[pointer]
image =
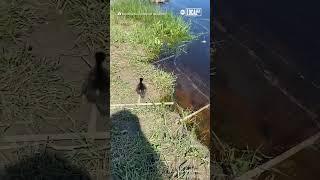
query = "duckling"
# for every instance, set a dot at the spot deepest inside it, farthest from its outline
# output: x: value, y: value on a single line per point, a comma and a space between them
x: 95, y: 87
x: 141, y: 89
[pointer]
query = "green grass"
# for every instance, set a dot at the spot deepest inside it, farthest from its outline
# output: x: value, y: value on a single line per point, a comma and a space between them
x: 16, y: 20
x: 132, y: 58
x: 36, y: 161
x: 32, y: 89
x: 155, y: 32
x: 89, y: 19
x: 132, y: 157
x: 235, y: 161
x: 163, y: 150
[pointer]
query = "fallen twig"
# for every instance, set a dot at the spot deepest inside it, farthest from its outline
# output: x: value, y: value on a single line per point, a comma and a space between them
x: 268, y: 165
x: 219, y: 141
x: 142, y: 104
x: 194, y: 113
x: 16, y: 123
x: 93, y: 120
x: 86, y: 61
x: 44, y: 137
x: 52, y: 146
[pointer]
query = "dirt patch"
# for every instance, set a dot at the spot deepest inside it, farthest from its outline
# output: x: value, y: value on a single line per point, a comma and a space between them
x: 129, y: 74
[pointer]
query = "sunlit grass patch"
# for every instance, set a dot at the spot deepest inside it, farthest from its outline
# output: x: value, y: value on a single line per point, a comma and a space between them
x: 163, y: 82
x: 155, y: 32
x: 136, y: 41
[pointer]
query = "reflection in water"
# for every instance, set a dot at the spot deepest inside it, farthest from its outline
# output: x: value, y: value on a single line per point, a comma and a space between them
x: 266, y: 84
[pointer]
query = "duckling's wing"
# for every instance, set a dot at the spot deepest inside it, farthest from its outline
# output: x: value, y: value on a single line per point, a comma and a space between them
x: 87, y: 82
x: 138, y: 90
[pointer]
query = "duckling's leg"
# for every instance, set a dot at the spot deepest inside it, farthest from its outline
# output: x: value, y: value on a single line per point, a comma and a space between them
x: 84, y: 90
x: 139, y: 99
x: 84, y: 99
x: 92, y: 121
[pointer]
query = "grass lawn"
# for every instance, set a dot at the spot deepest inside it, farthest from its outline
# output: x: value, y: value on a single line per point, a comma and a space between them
x: 37, y: 95
x: 147, y: 143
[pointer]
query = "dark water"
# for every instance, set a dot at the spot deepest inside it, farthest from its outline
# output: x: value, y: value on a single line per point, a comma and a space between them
x: 294, y: 24
x: 192, y: 67
x: 266, y: 88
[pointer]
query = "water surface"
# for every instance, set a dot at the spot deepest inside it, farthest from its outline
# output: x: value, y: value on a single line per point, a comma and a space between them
x: 192, y: 67
x: 267, y: 82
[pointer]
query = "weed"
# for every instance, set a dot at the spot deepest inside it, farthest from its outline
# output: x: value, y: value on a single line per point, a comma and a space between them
x: 155, y: 32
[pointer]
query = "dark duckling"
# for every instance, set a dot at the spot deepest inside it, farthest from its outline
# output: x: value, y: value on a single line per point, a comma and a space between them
x: 141, y: 89
x: 95, y: 87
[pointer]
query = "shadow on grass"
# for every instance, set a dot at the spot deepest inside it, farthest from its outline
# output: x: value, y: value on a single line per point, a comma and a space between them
x: 48, y: 166
x: 133, y: 157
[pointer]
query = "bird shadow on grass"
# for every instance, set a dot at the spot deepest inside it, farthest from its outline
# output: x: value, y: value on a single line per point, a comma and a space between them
x: 132, y: 156
x: 44, y: 166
